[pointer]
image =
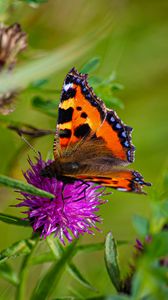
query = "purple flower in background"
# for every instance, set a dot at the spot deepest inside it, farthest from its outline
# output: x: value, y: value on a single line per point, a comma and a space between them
x: 73, y: 210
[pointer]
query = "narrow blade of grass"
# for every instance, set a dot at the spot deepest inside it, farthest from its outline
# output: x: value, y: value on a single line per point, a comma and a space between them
x: 22, y: 247
x: 76, y: 274
x: 7, y: 273
x: 24, y: 187
x: 13, y: 220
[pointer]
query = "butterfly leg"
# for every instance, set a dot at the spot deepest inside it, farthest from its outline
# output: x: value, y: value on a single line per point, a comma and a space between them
x: 83, y: 191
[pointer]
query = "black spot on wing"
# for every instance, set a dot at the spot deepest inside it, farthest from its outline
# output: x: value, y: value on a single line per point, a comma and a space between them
x: 79, y: 108
x: 65, y: 133
x: 84, y: 115
x: 70, y: 93
x: 82, y: 130
x: 65, y: 115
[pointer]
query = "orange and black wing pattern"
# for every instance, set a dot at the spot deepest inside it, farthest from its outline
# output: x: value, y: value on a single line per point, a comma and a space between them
x: 83, y: 115
x: 121, y: 180
x: 117, y: 137
x: 80, y: 113
x: 93, y: 138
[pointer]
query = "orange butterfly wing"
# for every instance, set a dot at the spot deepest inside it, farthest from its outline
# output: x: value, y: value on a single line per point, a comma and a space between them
x: 83, y: 122
x: 80, y: 113
x: 117, y: 137
x: 122, y: 180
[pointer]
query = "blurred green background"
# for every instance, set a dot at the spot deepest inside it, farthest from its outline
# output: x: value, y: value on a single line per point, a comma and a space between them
x: 135, y: 48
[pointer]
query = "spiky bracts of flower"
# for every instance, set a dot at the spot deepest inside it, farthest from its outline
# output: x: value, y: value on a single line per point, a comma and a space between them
x: 12, y: 41
x: 73, y: 210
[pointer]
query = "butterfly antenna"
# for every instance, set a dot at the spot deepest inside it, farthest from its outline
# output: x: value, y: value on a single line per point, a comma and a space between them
x: 26, y: 141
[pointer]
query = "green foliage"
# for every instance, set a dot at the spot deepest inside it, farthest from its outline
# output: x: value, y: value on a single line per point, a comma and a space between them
x: 49, y: 281
x: 106, y: 89
x: 13, y: 220
x: 148, y: 277
x: 111, y: 259
x: 48, y: 107
x: 91, y: 65
x: 7, y: 273
x: 35, y: 1
x: 24, y: 187
x: 22, y: 247
x: 141, y: 225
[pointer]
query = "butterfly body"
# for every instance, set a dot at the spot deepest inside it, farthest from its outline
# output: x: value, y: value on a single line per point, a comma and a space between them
x: 91, y: 142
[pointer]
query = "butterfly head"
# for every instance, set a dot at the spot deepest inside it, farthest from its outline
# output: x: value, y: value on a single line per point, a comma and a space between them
x: 50, y: 171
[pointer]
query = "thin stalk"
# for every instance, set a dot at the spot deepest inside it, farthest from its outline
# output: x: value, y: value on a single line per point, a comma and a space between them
x: 20, y: 293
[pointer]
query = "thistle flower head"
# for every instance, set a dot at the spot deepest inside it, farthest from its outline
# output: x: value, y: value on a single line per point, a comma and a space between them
x: 72, y: 211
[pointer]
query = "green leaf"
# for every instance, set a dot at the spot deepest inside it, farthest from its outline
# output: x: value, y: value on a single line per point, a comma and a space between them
x: 22, y: 247
x: 24, y: 187
x: 91, y: 65
x: 74, y: 271
x: 114, y: 101
x: 116, y: 87
x: 13, y: 220
x: 141, y: 224
x: 111, y: 260
x: 49, y: 281
x: 47, y: 107
x: 7, y: 273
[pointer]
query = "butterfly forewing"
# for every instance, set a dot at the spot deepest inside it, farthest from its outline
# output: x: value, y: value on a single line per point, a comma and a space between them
x: 80, y: 112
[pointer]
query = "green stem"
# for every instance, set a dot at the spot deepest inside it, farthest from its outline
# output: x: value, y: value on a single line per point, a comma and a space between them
x: 20, y: 293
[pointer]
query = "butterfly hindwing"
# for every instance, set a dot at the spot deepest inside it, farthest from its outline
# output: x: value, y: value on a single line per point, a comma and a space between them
x: 117, y: 137
x: 122, y: 180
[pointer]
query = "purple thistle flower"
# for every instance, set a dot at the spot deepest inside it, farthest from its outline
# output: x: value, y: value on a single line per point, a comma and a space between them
x: 73, y: 210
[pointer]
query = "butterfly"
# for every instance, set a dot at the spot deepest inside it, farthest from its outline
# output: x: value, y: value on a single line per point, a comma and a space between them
x: 91, y: 143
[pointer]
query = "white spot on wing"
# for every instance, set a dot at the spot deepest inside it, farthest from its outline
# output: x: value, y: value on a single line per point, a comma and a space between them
x: 68, y: 86
x: 122, y: 189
